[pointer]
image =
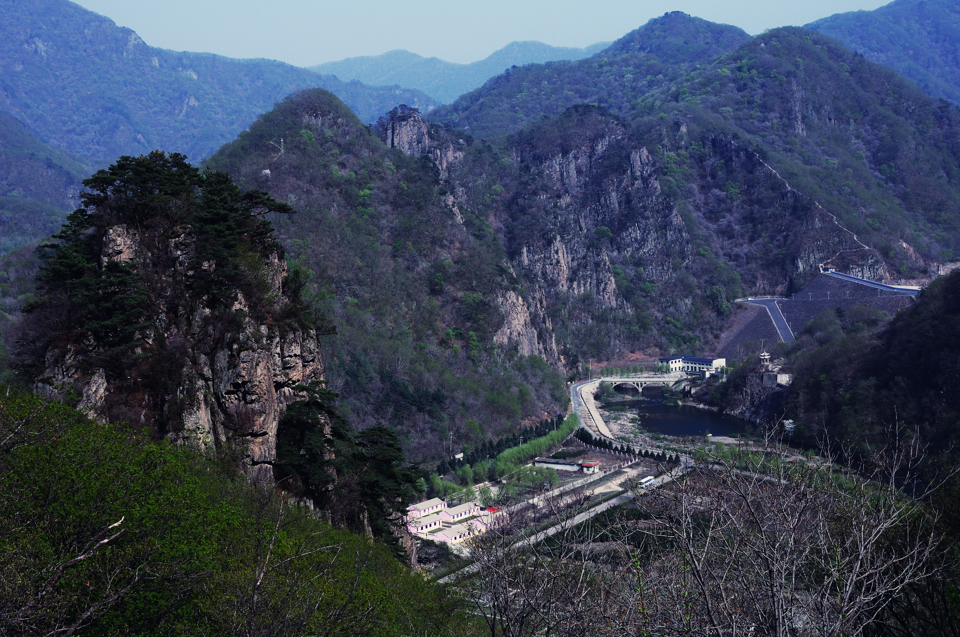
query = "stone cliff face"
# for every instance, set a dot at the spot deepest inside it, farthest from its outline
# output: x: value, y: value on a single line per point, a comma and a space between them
x: 605, y: 230
x: 406, y: 131
x: 227, y: 377
x: 592, y: 207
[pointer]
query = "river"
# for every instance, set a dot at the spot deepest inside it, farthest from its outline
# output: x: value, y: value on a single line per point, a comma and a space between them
x: 682, y: 420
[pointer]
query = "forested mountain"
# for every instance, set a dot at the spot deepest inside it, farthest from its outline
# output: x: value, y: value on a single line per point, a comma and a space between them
x: 446, y: 81
x: 87, y: 86
x: 323, y: 297
x: 595, y: 233
x: 853, y: 383
x: 618, y: 77
x: 864, y: 143
x: 39, y: 184
x: 414, y: 286
x: 720, y: 166
x: 917, y: 38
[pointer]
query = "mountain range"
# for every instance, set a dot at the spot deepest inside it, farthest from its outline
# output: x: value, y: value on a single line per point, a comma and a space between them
x: 87, y: 86
x: 348, y: 284
x: 446, y: 81
x: 916, y: 38
x: 711, y: 166
x: 577, y: 210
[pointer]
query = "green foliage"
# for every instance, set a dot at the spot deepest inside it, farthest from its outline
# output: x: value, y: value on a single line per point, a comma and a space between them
x: 187, y: 239
x: 106, y: 531
x: 312, y: 442
x: 415, y: 319
x: 853, y: 382
x: 913, y: 38
x: 527, y: 478
x: 359, y: 478
x: 512, y: 459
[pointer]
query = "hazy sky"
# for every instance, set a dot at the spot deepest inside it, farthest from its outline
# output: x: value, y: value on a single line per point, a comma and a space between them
x: 306, y: 32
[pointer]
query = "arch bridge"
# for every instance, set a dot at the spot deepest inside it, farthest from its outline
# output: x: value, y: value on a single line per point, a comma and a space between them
x: 639, y: 382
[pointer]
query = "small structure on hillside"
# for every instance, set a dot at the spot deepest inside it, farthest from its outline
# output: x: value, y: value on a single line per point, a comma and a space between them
x: 771, y: 380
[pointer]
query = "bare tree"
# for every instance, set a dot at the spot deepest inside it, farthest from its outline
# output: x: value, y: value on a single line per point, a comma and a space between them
x: 284, y: 586
x: 767, y: 544
x: 542, y: 571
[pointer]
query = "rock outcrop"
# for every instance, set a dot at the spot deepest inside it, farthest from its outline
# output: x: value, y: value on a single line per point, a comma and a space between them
x: 760, y: 397
x: 170, y: 311
x: 231, y: 387
x: 404, y: 130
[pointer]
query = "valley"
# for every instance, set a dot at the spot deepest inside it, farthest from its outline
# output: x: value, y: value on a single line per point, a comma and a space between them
x: 671, y: 320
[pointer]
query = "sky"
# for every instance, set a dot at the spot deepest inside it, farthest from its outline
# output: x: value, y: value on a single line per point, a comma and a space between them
x: 307, y: 32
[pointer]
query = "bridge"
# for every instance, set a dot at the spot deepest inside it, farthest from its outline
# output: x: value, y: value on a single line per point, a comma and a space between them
x: 585, y: 407
x: 639, y: 382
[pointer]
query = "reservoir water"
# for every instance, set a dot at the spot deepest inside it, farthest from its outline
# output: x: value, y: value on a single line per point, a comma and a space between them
x: 681, y: 420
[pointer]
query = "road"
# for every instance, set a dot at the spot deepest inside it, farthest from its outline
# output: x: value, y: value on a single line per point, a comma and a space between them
x: 620, y: 500
x: 581, y: 398
x: 581, y: 394
x: 770, y: 303
x: 685, y: 464
x: 873, y: 284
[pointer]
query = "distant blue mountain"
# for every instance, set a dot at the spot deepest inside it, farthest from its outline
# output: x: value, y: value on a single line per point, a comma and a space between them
x: 85, y: 85
x: 920, y: 39
x: 446, y: 81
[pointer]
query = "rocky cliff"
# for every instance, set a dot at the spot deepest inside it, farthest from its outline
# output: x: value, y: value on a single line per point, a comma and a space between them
x: 625, y: 240
x: 201, y: 346
x: 230, y: 390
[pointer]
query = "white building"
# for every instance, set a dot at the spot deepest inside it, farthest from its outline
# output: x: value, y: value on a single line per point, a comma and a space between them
x: 462, y: 512
x: 427, y: 507
x: 458, y: 532
x: 557, y: 465
x: 567, y: 465
x: 422, y: 526
x: 694, y: 364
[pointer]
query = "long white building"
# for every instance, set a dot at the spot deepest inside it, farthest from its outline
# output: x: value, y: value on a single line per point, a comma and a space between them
x: 694, y: 364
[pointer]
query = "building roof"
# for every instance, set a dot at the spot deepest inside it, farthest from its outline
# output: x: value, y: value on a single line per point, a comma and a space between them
x: 590, y: 464
x: 426, y: 504
x: 556, y: 461
x: 689, y: 359
x: 463, y: 508
x: 426, y: 520
x: 456, y: 529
